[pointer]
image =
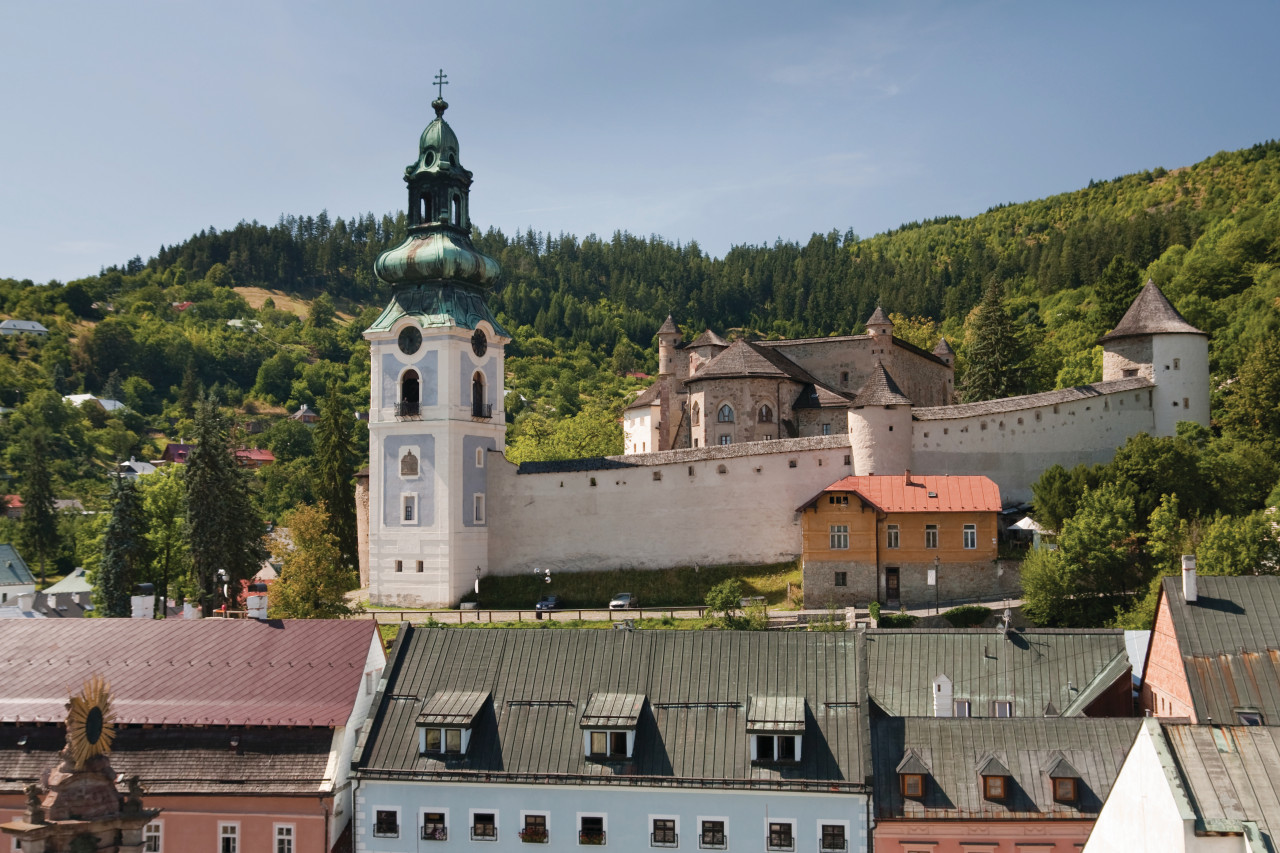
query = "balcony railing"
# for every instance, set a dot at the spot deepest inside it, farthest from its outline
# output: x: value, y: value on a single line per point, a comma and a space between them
x: 713, y: 841
x: 408, y: 409
x: 482, y: 410
x: 484, y: 832
x: 782, y: 845
x: 591, y: 836
x: 834, y: 845
x: 435, y: 833
x: 534, y: 835
x: 663, y: 839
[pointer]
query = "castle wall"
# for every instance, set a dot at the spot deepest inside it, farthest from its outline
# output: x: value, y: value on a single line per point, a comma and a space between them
x: 711, y: 506
x: 745, y: 397
x: 1014, y: 447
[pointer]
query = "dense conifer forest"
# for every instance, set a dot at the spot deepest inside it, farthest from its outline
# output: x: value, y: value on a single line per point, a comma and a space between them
x: 154, y: 333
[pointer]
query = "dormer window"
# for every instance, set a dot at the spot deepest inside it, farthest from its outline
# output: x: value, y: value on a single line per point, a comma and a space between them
x: 776, y: 727
x: 447, y: 720
x: 1066, y: 781
x: 609, y: 725
x: 995, y: 779
x: 911, y: 773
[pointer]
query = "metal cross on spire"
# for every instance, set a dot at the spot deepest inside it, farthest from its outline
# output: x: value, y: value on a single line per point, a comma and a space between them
x: 441, y: 80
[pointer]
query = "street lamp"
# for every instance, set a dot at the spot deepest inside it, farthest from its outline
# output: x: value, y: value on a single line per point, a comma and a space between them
x: 937, y: 583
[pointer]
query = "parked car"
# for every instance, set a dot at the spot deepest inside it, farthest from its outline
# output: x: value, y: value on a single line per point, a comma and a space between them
x: 624, y: 601
x: 548, y: 602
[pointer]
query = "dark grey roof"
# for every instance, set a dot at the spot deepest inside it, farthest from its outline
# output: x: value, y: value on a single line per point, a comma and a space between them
x: 1060, y: 768
x: 879, y: 318
x: 775, y: 714
x: 648, y: 396
x: 956, y: 750
x: 453, y: 708
x: 613, y: 710
x: 911, y: 764
x: 1030, y: 668
x: 1229, y: 639
x: 692, y: 730
x: 880, y: 390
x: 708, y: 339
x: 1030, y: 401
x: 1150, y: 314
x: 820, y: 397
x: 943, y: 347
x: 669, y: 327
x: 13, y: 569
x: 186, y: 760
x: 568, y: 466
x: 1232, y: 774
x: 993, y: 767
x: 745, y: 360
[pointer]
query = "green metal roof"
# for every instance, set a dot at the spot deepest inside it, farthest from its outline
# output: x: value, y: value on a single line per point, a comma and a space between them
x: 1032, y: 669
x: 1232, y: 775
x: 439, y: 304
x: 13, y: 569
x: 691, y: 729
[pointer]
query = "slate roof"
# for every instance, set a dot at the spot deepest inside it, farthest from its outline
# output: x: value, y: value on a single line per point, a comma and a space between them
x: 898, y: 493
x: 453, y: 707
x: 185, y: 760
x: 1232, y: 774
x: 187, y: 672
x: 1031, y: 668
x: 612, y: 710
x: 820, y: 397
x: 1150, y: 314
x: 879, y: 318
x: 1030, y: 401
x: 943, y: 347
x: 699, y: 689
x: 954, y: 752
x: 668, y: 327
x: 13, y: 569
x: 1229, y: 639
x: 880, y: 390
x: 708, y: 339
x: 744, y: 360
x: 647, y: 397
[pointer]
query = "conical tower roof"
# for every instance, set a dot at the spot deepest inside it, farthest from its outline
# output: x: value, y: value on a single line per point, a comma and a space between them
x: 880, y: 390
x: 943, y: 347
x: 879, y: 318
x: 669, y: 327
x: 709, y: 339
x: 1151, y: 314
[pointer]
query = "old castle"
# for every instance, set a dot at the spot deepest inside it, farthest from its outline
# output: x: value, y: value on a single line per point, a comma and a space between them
x: 722, y: 449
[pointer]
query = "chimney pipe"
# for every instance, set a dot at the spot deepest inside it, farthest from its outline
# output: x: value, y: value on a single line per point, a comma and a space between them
x: 142, y: 603
x: 256, y: 601
x: 1189, y: 577
x: 907, y: 476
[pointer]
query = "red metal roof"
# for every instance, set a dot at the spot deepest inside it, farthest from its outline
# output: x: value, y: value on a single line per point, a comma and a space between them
x: 255, y: 454
x: 291, y: 672
x: 920, y: 494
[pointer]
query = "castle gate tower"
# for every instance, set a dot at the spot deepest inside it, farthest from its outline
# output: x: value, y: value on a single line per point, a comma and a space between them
x: 436, y: 402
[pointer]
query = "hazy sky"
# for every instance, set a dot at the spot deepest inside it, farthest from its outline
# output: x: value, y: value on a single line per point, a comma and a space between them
x: 125, y: 126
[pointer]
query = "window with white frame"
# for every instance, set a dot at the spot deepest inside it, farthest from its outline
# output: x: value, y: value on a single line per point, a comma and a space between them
x: 777, y: 749
x: 284, y: 838
x: 839, y: 537
x: 228, y: 838
x: 1002, y: 708
x: 781, y: 835
x: 591, y: 830
x: 931, y: 536
x: 533, y: 828
x: 663, y: 832
x: 892, y: 536
x: 477, y: 507
x: 970, y: 536
x: 450, y: 741
x: 713, y: 833
x: 484, y: 826
x: 479, y: 457
x: 609, y: 743
x: 435, y: 825
x: 833, y: 836
x: 962, y: 708
x: 386, y: 823
x: 152, y: 837
x: 409, y: 508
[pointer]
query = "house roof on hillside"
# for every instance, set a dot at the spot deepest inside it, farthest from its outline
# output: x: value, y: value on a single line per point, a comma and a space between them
x: 14, y: 326
x: 956, y: 751
x: 647, y: 397
x: 1150, y: 314
x: 1030, y: 401
x: 1232, y: 775
x: 689, y: 726
x: 13, y: 569
x: 880, y: 390
x: 185, y: 760
x: 188, y: 672
x: 915, y: 493
x: 1229, y: 639
x: 77, y: 581
x: 177, y: 453
x: 1030, y: 668
x: 254, y: 454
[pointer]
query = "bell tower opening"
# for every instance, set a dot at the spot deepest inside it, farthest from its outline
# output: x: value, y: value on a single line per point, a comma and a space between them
x: 409, y: 395
x: 479, y: 409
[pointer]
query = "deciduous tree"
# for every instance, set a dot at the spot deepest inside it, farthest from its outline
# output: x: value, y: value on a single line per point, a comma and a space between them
x: 124, y: 551
x: 335, y: 455
x: 313, y: 582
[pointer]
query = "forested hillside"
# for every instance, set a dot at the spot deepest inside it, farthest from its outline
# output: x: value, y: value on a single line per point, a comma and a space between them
x: 584, y: 312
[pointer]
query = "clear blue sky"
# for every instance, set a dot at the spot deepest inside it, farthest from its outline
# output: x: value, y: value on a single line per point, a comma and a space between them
x: 130, y: 125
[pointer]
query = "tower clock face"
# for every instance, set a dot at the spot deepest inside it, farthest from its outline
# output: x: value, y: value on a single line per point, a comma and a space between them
x: 410, y: 340
x: 479, y: 343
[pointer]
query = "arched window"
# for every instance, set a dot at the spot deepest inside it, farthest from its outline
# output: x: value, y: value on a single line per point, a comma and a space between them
x: 479, y: 409
x: 456, y: 211
x: 696, y: 418
x: 766, y: 415
x: 409, y: 389
x: 408, y: 464
x: 427, y: 212
x: 725, y: 415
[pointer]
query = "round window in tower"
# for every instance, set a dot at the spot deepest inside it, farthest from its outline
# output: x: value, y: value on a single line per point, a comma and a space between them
x: 410, y: 339
x: 479, y: 343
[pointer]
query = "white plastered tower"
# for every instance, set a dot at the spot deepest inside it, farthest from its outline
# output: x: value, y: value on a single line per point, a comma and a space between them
x: 436, y: 398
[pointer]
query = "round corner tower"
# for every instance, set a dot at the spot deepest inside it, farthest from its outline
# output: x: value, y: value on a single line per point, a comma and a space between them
x: 880, y: 426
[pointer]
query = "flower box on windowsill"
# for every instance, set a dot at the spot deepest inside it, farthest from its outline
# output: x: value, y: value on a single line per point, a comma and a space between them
x: 534, y: 836
x: 593, y: 838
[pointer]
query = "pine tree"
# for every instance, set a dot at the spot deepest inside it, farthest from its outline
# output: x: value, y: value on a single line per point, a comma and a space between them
x: 224, y: 529
x: 164, y: 498
x: 313, y: 583
x: 995, y: 350
x: 1115, y: 289
x: 38, y: 528
x: 335, y: 452
x: 124, y: 551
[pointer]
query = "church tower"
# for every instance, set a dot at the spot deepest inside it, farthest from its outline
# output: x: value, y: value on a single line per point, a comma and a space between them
x: 436, y: 403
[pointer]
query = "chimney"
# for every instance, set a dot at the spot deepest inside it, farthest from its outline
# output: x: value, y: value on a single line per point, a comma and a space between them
x: 256, y: 601
x: 942, y: 706
x: 26, y: 601
x: 192, y: 611
x: 1189, y: 577
x: 907, y: 475
x: 143, y: 601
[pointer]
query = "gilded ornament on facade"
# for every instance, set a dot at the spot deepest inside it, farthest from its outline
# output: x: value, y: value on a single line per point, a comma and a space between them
x: 91, y: 721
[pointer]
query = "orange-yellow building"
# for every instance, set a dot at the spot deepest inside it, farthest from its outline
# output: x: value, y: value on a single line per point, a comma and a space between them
x: 901, y: 540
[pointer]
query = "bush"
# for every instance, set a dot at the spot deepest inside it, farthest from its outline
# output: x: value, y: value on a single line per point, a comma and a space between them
x: 967, y: 615
x: 898, y: 620
x: 874, y: 609
x: 725, y: 597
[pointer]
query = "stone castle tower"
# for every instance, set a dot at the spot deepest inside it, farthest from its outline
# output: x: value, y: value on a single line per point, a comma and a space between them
x: 436, y: 406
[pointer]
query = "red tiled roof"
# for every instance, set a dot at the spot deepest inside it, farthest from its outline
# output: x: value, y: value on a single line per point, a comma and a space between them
x: 255, y: 454
x: 292, y: 672
x: 12, y: 500
x: 921, y: 494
